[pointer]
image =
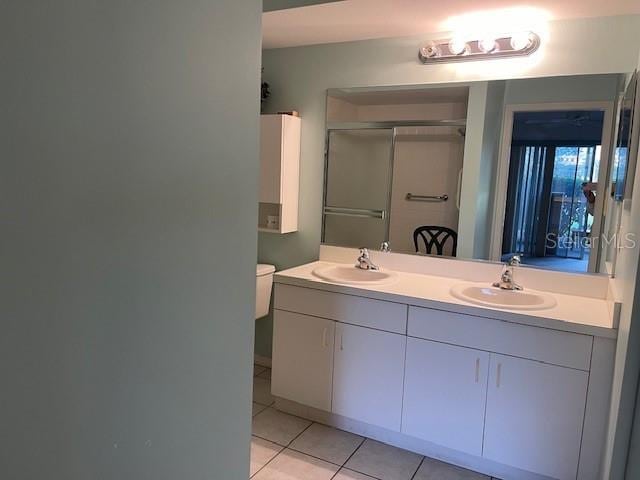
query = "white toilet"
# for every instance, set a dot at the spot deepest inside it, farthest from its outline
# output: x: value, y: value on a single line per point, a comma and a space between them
x: 264, y: 282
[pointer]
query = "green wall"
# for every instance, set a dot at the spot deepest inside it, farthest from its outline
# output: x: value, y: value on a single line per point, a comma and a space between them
x: 128, y: 202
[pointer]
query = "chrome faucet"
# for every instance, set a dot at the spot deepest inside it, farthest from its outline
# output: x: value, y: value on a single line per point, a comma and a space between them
x: 385, y: 247
x: 506, y: 279
x: 364, y: 262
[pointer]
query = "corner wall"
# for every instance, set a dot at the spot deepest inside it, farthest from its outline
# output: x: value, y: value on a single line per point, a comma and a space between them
x: 619, y: 457
x: 128, y: 202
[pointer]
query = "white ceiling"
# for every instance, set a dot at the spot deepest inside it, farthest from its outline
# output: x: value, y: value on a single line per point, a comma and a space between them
x: 351, y: 20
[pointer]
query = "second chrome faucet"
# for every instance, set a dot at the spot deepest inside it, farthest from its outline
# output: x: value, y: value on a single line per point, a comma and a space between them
x: 364, y: 261
x: 506, y: 278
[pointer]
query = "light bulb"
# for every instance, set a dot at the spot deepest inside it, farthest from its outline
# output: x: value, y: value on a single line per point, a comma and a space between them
x: 430, y: 51
x: 520, y: 41
x: 457, y: 46
x: 487, y: 44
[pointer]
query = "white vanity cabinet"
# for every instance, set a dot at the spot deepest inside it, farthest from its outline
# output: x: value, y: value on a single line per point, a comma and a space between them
x: 303, y: 359
x: 444, y: 394
x: 510, y: 400
x: 367, y: 375
x: 535, y: 414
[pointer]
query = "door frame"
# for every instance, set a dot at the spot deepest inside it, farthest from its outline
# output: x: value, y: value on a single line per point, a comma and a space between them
x: 504, y: 158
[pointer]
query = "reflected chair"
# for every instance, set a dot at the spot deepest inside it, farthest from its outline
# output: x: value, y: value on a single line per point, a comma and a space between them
x: 434, y: 236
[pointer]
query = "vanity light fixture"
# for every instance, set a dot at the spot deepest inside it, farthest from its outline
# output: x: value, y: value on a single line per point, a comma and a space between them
x: 457, y: 46
x: 501, y: 46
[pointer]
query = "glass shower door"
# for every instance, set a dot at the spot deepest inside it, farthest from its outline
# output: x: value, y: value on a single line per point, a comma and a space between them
x: 357, y: 188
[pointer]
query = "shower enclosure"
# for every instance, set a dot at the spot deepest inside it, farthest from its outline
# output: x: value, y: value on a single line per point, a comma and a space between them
x: 384, y: 179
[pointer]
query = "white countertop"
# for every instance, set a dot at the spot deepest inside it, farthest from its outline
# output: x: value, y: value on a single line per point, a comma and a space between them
x: 572, y: 313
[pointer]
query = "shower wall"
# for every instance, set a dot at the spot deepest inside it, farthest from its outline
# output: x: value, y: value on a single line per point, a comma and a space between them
x: 427, y: 161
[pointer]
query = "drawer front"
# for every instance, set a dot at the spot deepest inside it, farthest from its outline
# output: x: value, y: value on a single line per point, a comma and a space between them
x: 551, y: 346
x: 366, y: 312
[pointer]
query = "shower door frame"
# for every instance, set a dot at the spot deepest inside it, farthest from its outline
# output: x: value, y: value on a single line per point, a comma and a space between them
x: 378, y: 125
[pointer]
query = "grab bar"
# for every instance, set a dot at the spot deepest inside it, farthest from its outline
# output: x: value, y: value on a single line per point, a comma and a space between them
x: 426, y: 198
x: 355, y: 212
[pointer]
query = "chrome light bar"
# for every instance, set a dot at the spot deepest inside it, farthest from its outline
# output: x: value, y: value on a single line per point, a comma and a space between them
x: 459, y: 50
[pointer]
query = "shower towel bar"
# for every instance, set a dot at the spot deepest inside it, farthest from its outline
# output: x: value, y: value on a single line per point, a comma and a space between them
x: 427, y: 198
x: 355, y: 212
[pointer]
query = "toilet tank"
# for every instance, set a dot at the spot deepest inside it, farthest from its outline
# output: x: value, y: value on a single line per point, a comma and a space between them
x: 264, y: 283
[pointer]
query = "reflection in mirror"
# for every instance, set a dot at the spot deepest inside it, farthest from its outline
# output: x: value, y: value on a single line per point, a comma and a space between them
x: 482, y: 170
x: 554, y: 168
x: 620, y: 182
x: 622, y: 166
x: 393, y: 166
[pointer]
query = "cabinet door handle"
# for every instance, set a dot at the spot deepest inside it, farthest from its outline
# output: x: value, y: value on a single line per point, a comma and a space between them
x: 498, y: 375
x: 341, y: 341
x: 324, y: 338
x: 477, y: 370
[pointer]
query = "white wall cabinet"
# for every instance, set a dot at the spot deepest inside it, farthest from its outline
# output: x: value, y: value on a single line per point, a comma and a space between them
x: 444, y: 394
x: 534, y: 417
x: 367, y: 377
x: 279, y: 172
x: 303, y: 359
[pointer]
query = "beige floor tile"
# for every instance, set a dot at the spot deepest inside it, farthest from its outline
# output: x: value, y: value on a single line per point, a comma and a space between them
x: 261, y: 452
x: 290, y: 465
x: 384, y: 461
x: 278, y: 427
x: 257, y: 408
x: 327, y: 443
x: 346, y: 474
x: 435, y: 470
x: 262, y: 391
x: 258, y: 369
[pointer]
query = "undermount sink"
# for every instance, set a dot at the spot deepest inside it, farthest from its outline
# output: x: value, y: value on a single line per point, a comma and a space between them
x: 509, y: 299
x: 351, y: 275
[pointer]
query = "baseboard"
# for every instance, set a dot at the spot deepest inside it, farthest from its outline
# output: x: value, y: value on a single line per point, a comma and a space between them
x: 262, y: 361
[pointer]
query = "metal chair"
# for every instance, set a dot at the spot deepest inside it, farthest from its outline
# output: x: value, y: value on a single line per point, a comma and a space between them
x: 435, y: 236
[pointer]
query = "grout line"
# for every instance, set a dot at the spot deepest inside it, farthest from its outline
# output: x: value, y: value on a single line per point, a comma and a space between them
x: 364, y: 439
x: 417, y: 469
x: 313, y: 456
x: 271, y: 459
x: 304, y: 430
x: 354, y: 452
x: 281, y: 450
x: 349, y: 457
x: 267, y: 440
x: 355, y: 471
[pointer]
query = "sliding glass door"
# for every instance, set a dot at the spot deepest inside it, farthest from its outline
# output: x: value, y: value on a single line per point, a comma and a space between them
x: 550, y: 202
x: 357, y: 187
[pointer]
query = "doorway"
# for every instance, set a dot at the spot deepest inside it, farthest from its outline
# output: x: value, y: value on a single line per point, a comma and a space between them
x: 553, y: 178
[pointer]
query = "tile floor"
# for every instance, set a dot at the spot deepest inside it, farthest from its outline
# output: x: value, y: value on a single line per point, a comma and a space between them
x: 285, y: 447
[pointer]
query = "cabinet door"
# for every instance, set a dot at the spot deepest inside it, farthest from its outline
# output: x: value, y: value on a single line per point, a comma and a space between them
x: 302, y: 359
x: 445, y: 391
x: 534, y: 416
x: 270, y: 158
x: 368, y: 374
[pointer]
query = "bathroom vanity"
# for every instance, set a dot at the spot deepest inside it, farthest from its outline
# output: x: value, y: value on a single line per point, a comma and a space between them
x: 513, y: 392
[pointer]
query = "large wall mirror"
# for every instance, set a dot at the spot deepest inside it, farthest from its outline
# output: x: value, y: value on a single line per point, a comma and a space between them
x: 480, y: 170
